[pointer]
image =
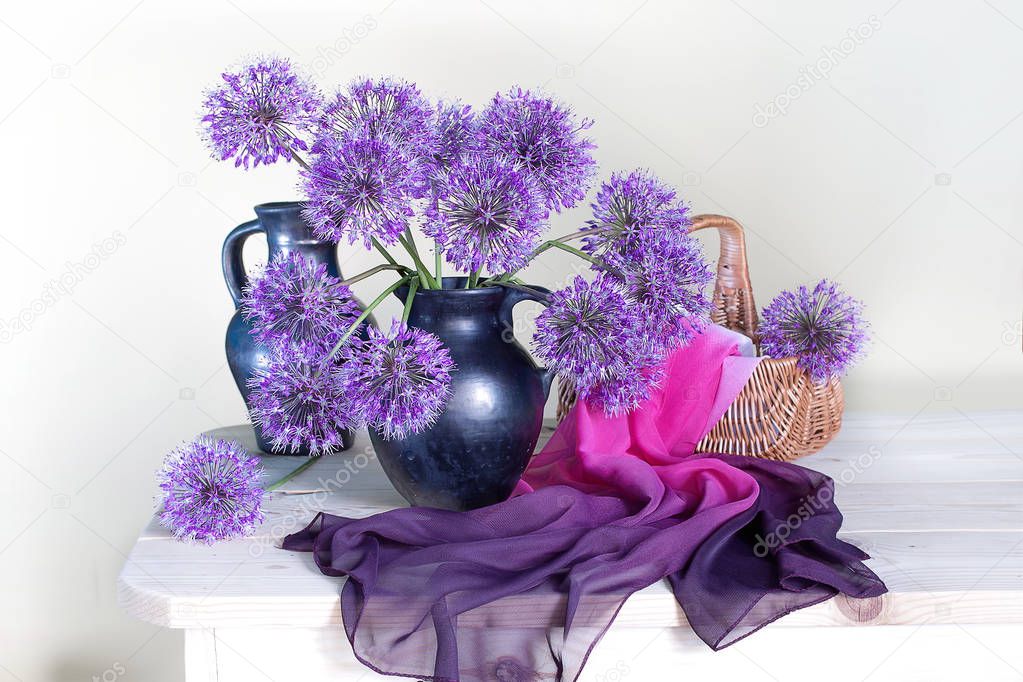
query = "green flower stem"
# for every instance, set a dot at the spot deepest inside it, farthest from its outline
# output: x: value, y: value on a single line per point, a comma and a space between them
x: 575, y: 235
x: 372, y: 271
x: 369, y: 309
x: 414, y: 252
x: 437, y: 265
x: 546, y: 246
x: 424, y: 274
x: 412, y: 288
x: 520, y: 287
x: 474, y: 278
x: 287, y: 477
x: 383, y: 252
x: 555, y: 244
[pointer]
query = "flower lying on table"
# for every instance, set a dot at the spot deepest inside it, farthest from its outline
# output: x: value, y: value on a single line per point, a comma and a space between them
x: 378, y: 160
x: 211, y: 491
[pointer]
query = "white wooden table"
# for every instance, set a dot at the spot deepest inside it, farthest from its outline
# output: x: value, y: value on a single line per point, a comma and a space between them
x: 937, y: 500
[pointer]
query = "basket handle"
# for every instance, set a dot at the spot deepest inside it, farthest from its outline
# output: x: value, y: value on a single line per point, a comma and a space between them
x: 734, y: 307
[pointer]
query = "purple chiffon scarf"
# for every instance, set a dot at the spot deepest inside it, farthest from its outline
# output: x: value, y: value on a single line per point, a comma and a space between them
x: 523, y: 590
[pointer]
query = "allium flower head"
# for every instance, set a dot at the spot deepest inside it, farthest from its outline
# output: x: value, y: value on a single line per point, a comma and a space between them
x: 592, y: 333
x: 487, y: 215
x: 454, y: 128
x: 295, y: 300
x: 823, y: 327
x: 298, y: 400
x: 543, y: 137
x: 630, y: 206
x: 211, y: 491
x: 621, y: 393
x: 361, y: 188
x: 400, y: 382
x: 666, y: 277
x: 259, y: 113
x: 388, y: 109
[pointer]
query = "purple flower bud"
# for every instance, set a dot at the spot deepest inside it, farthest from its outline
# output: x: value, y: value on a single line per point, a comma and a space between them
x: 299, y: 400
x: 388, y: 109
x: 594, y: 335
x: 487, y: 216
x: 454, y: 130
x: 400, y: 382
x: 627, y: 208
x: 665, y: 276
x: 211, y: 491
x: 295, y: 300
x: 543, y: 138
x: 824, y: 328
x: 360, y: 189
x: 260, y: 113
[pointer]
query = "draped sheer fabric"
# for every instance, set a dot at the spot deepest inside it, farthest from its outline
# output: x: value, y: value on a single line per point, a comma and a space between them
x: 523, y: 590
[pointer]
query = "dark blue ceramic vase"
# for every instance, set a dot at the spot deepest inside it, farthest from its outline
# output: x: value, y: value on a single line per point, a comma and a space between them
x: 286, y: 231
x: 480, y: 445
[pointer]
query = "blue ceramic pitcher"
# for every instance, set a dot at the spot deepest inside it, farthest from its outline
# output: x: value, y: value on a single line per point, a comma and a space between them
x: 477, y: 450
x: 286, y: 232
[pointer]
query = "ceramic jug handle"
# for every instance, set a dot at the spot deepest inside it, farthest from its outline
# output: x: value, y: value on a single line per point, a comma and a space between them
x: 231, y: 259
x: 514, y: 296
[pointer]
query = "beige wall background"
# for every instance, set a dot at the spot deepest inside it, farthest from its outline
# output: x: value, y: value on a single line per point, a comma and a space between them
x: 874, y: 142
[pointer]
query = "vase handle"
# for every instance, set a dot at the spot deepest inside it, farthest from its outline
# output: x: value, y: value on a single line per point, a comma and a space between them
x: 231, y: 259
x: 513, y: 296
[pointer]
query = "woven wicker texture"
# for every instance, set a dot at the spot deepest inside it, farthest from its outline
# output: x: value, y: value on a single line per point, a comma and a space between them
x: 780, y: 414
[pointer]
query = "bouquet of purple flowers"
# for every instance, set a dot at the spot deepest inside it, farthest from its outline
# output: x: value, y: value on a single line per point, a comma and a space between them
x: 378, y: 160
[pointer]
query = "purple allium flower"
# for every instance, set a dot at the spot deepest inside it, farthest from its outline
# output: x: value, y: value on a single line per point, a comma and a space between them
x: 259, y: 113
x: 593, y: 334
x: 361, y: 188
x: 666, y: 277
x: 295, y: 300
x: 628, y: 207
x: 621, y: 393
x: 211, y: 491
x: 298, y: 400
x: 823, y: 327
x: 454, y: 128
x: 487, y: 215
x: 383, y: 109
x: 543, y: 137
x: 400, y: 382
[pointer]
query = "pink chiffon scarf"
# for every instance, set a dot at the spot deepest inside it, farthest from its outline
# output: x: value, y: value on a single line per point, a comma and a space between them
x: 524, y: 589
x: 648, y: 449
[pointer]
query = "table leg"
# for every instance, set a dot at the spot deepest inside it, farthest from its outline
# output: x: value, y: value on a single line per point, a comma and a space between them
x: 201, y: 655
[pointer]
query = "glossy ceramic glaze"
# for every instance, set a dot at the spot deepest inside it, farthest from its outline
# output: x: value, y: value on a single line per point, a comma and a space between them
x: 477, y: 450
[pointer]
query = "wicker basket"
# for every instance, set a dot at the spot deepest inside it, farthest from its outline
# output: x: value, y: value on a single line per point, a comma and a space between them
x: 780, y: 414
